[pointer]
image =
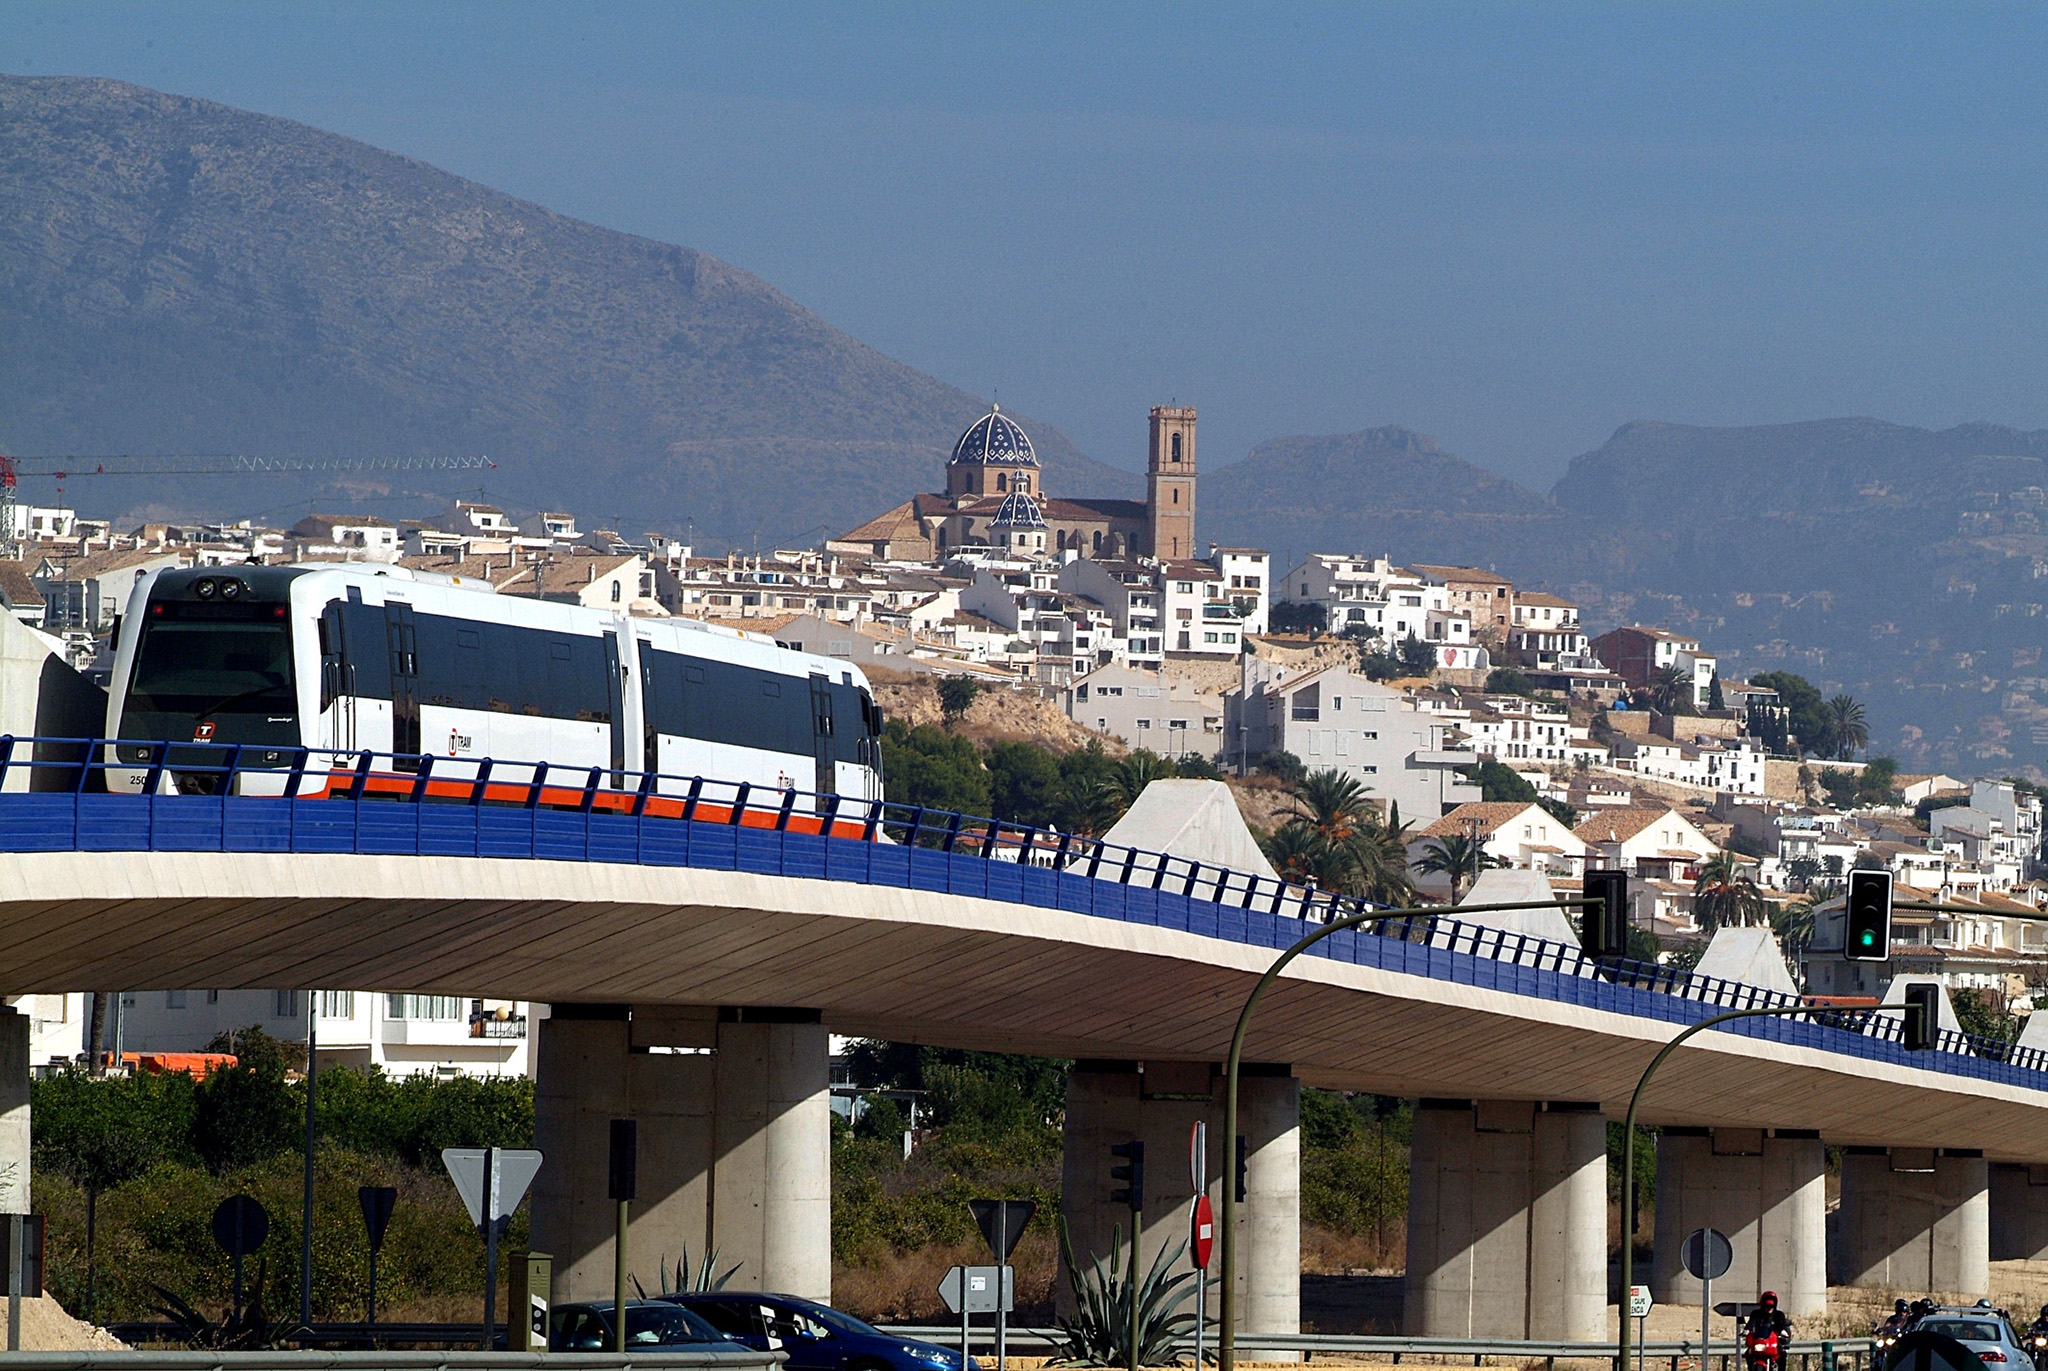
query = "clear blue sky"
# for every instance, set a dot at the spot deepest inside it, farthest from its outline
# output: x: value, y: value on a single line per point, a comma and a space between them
x: 1513, y: 227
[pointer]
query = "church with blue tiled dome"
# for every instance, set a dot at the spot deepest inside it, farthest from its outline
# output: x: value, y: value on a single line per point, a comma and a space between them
x: 994, y: 499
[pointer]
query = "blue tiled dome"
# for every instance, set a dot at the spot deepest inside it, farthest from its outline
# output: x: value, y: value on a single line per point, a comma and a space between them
x: 994, y: 440
x: 1018, y: 510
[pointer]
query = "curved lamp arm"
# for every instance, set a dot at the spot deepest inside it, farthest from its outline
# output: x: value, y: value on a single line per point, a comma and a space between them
x: 1226, y: 1336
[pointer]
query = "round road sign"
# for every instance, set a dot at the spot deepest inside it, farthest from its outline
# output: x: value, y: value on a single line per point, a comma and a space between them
x: 1201, y: 1232
x: 240, y: 1224
x: 1708, y: 1254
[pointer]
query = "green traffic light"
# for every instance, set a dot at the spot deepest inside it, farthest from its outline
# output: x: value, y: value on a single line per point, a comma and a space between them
x: 1868, y: 937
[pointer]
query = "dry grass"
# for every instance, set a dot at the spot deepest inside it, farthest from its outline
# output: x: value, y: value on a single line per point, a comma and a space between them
x: 904, y: 1288
x: 1328, y: 1253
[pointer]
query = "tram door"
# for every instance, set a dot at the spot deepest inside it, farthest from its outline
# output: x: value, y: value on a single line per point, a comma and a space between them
x: 405, y: 681
x: 617, y: 704
x: 337, y: 681
x: 821, y: 735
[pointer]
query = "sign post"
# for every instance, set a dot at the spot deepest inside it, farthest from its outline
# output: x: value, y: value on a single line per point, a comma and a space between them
x: 969, y: 1290
x: 24, y: 1270
x: 1639, y: 1310
x: 1707, y: 1254
x: 491, y: 1181
x: 377, y: 1201
x: 240, y: 1225
x: 1201, y: 1227
x: 1002, y: 1222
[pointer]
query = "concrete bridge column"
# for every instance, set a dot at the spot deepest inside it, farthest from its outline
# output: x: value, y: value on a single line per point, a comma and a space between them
x: 14, y: 1122
x: 1507, y: 1221
x: 1914, y: 1219
x: 735, y: 1144
x: 1767, y: 1192
x: 1110, y: 1102
x: 2019, y: 1213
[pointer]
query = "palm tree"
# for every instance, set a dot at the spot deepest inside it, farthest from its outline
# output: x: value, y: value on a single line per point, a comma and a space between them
x: 1724, y: 895
x: 1298, y: 851
x: 1331, y: 800
x: 1456, y: 855
x: 1670, y: 690
x: 1378, y: 859
x: 1793, y: 923
x: 1134, y: 773
x: 1851, y: 726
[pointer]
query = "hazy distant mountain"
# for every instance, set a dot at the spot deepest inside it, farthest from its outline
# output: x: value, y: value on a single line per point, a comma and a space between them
x: 1907, y: 567
x: 1383, y: 490
x: 178, y: 275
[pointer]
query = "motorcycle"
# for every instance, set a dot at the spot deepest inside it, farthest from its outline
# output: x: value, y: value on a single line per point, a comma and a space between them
x: 1763, y: 1352
x: 2037, y: 1346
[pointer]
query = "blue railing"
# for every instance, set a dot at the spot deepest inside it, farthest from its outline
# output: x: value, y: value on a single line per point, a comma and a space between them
x: 55, y: 796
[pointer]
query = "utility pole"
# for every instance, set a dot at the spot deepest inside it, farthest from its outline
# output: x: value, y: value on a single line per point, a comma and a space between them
x: 306, y: 1213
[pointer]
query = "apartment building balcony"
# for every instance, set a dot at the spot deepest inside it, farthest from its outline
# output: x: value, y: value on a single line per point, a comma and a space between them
x: 490, y: 1026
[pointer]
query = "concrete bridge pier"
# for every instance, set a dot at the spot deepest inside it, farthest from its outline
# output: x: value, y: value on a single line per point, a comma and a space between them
x: 2019, y: 1213
x: 14, y: 1121
x: 1110, y: 1102
x: 1507, y: 1221
x: 734, y: 1144
x: 1767, y: 1192
x: 1914, y: 1219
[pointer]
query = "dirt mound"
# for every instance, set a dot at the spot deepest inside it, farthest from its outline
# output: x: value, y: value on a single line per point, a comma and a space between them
x: 1000, y: 714
x: 45, y: 1327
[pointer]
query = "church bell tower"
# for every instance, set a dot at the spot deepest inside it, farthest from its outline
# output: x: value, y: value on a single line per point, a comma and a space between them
x: 1170, y: 483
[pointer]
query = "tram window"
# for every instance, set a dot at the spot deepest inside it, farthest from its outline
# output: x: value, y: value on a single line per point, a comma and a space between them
x: 499, y: 668
x: 208, y: 668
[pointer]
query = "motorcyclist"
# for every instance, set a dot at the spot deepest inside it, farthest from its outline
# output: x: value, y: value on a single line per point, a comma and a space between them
x: 2040, y: 1328
x: 1902, y: 1314
x: 1921, y: 1309
x: 1767, y: 1319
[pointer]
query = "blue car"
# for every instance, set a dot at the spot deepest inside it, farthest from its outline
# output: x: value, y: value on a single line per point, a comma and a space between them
x: 816, y: 1336
x: 651, y: 1326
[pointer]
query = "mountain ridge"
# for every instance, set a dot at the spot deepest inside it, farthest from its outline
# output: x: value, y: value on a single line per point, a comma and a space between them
x: 1907, y: 566
x: 180, y: 273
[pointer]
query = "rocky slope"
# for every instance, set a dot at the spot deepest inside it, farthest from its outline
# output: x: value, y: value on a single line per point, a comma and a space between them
x: 179, y: 275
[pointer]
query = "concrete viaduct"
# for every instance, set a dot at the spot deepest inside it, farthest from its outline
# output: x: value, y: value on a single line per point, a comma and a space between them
x: 696, y: 961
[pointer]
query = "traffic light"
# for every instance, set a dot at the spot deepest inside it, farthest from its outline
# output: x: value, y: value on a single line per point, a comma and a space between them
x: 1242, y: 1153
x: 1132, y: 1173
x: 1922, y: 1022
x: 1867, y: 918
x: 1603, y: 930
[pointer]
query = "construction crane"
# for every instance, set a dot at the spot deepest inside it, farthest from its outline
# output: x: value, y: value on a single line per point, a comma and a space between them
x: 69, y: 465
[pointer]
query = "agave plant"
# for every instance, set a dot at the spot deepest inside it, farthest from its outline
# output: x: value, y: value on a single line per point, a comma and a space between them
x: 251, y: 1330
x: 707, y: 1276
x: 1099, y: 1333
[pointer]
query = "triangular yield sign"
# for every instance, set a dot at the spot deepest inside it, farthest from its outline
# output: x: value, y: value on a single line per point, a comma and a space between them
x: 515, y: 1169
x: 1002, y: 1223
x: 466, y: 1168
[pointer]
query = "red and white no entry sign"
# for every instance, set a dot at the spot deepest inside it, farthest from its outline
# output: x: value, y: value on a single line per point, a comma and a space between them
x: 1201, y: 1232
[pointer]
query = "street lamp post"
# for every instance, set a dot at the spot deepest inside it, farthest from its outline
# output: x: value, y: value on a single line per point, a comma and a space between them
x: 1628, y: 1145
x: 1226, y: 1337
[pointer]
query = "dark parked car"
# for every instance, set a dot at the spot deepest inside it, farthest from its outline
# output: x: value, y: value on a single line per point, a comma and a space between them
x: 649, y: 1324
x: 817, y: 1337
x: 1983, y: 1330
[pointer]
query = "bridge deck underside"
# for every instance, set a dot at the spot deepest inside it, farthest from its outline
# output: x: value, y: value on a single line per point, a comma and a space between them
x: 924, y: 966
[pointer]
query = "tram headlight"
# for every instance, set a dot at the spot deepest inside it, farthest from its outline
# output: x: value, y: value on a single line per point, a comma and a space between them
x: 229, y: 589
x: 206, y: 589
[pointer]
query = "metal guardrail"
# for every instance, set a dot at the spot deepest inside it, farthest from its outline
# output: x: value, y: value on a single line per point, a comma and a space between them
x: 338, y: 1336
x: 148, y: 1360
x: 247, y: 798
x: 1841, y: 1354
